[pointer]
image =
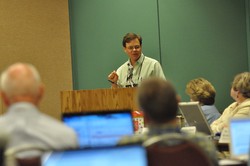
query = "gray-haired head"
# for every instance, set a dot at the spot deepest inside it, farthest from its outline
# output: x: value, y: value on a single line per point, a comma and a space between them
x: 20, y: 80
x: 241, y: 83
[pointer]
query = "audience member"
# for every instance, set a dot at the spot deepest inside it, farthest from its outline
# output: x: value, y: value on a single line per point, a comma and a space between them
x: 240, y: 92
x: 138, y: 66
x: 159, y: 102
x: 21, y: 91
x: 202, y: 90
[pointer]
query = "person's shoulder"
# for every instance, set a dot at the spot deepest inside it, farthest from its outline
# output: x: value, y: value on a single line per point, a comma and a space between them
x: 243, y: 110
x: 246, y: 103
x: 203, y: 141
x: 7, y: 119
x: 232, y: 105
x: 55, y: 128
x: 151, y: 59
x: 3, y: 118
x: 197, y: 137
x: 136, y: 139
x: 46, y: 120
x: 210, y: 109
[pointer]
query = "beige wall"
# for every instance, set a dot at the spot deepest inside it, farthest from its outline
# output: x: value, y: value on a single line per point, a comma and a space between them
x: 37, y: 32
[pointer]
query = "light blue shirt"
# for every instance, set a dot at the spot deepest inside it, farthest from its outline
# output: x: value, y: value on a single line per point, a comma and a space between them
x: 211, y: 113
x: 145, y: 67
x: 26, y: 125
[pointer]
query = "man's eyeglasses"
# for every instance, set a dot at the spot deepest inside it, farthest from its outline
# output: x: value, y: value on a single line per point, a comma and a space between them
x: 134, y: 47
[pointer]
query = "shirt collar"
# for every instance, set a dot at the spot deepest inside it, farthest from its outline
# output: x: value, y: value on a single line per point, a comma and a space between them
x: 162, y: 129
x: 21, y: 107
x: 139, y: 61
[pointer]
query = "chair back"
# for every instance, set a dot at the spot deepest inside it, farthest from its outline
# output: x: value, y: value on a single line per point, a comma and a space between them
x: 25, y: 155
x: 174, y: 150
x: 4, y: 138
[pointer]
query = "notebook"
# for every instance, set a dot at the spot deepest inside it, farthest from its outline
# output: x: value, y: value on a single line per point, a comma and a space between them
x: 102, y: 128
x: 129, y: 155
x: 239, y: 138
x: 194, y: 116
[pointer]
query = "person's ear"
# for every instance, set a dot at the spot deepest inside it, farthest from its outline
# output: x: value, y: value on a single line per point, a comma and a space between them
x: 41, y: 91
x: 5, y: 99
x: 178, y: 98
x: 238, y: 94
x: 124, y: 49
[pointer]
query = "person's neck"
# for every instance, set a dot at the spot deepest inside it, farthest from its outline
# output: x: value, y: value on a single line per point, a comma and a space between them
x: 241, y: 99
x: 27, y: 99
x: 172, y: 122
x: 133, y: 62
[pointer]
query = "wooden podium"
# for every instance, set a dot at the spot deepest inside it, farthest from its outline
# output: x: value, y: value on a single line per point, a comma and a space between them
x: 98, y: 100
x: 102, y: 100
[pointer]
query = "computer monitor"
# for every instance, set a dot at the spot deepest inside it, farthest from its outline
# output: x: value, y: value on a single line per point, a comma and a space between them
x: 239, y: 138
x: 194, y: 116
x: 128, y: 155
x: 100, y: 128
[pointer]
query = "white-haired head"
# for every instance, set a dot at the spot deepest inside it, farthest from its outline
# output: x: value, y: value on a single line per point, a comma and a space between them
x: 21, y: 80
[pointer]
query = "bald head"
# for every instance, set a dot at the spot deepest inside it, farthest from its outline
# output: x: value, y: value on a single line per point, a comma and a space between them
x: 21, y: 82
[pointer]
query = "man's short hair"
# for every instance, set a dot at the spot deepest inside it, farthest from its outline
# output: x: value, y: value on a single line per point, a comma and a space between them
x: 158, y: 100
x: 131, y: 36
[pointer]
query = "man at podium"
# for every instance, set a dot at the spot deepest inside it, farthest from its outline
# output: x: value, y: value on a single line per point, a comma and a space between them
x: 138, y: 66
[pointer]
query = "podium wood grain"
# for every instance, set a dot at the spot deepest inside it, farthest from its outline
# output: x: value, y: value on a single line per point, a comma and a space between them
x: 99, y: 99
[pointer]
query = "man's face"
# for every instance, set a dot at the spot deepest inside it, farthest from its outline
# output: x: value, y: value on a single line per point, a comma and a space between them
x: 133, y: 50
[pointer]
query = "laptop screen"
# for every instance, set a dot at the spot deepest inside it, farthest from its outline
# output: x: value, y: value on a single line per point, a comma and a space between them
x: 98, y: 129
x: 240, y: 136
x: 130, y: 155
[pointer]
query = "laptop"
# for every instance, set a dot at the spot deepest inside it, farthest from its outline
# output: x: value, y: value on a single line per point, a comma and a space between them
x: 127, y: 155
x: 194, y: 116
x: 101, y: 128
x: 239, y: 145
